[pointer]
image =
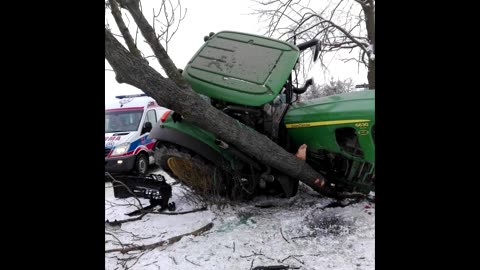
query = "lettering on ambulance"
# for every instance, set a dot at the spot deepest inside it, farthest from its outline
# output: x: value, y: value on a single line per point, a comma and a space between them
x: 110, y: 141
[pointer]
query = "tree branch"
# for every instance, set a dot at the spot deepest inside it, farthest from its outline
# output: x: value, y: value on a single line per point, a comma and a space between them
x: 333, y: 11
x: 361, y: 2
x: 180, y: 213
x: 191, y: 261
x: 119, y: 222
x: 339, y: 28
x: 149, y: 33
x: 111, y: 234
x: 169, y: 241
x: 281, y: 232
x: 124, y: 29
x: 280, y: 17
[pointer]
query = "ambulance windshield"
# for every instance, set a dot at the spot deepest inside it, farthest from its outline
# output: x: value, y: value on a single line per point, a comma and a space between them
x: 119, y: 121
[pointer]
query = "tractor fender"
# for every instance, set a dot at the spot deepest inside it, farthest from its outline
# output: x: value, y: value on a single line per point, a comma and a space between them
x: 162, y: 134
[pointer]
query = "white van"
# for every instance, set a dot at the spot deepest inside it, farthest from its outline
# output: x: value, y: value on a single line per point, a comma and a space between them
x: 127, y: 125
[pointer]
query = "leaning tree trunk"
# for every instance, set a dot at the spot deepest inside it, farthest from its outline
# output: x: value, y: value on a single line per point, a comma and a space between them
x: 132, y: 70
x: 371, y: 74
x: 369, y: 10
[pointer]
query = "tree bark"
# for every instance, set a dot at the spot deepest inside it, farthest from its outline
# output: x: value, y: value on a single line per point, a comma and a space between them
x: 132, y: 70
x: 117, y: 15
x: 371, y: 74
x: 369, y: 10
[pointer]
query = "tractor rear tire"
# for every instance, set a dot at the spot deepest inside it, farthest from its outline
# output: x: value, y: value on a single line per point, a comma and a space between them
x: 190, y: 169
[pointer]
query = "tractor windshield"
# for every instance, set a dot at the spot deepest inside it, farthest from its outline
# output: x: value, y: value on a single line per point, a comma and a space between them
x: 118, y: 121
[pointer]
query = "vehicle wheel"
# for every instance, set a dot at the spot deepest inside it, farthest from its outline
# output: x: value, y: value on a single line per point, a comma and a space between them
x: 141, y: 164
x: 191, y: 169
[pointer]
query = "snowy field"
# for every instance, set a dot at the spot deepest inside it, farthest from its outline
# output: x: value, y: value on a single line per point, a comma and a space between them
x: 302, y: 232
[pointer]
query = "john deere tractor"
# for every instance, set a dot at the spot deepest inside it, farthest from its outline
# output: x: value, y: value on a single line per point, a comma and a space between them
x: 249, y: 78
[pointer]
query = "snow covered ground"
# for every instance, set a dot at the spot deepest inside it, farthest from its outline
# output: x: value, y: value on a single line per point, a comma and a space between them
x: 245, y: 236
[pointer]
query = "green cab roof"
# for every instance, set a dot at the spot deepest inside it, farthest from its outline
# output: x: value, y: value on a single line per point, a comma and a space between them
x: 241, y: 68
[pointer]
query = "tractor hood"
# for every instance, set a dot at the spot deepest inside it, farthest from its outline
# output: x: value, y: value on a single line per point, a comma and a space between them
x: 241, y: 68
x: 351, y: 106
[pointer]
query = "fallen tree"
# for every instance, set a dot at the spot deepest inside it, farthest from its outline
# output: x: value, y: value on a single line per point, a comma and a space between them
x: 176, y: 94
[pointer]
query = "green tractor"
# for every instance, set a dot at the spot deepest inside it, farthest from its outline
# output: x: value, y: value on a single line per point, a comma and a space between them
x: 249, y: 78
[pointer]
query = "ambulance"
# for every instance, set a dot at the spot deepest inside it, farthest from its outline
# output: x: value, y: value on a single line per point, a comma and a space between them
x: 128, y: 122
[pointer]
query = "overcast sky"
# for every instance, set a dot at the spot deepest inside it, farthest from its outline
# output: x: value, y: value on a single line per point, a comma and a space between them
x: 202, y: 18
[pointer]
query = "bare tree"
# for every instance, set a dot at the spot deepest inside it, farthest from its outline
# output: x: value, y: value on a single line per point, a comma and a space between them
x: 340, y: 25
x: 333, y: 87
x: 175, y: 93
x: 166, y: 20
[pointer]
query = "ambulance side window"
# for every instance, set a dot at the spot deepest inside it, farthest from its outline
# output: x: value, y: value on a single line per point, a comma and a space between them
x: 151, y: 117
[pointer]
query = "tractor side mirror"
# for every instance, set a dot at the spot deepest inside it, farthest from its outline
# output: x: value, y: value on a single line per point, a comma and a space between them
x: 302, y: 90
x: 314, y: 42
x: 308, y: 83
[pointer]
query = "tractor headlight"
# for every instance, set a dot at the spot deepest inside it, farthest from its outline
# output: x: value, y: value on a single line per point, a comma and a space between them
x: 120, y: 149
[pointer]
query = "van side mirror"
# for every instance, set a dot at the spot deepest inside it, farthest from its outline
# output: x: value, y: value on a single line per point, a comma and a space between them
x: 147, y: 127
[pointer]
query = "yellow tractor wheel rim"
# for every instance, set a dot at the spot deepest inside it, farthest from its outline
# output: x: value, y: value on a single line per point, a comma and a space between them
x: 191, y: 175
